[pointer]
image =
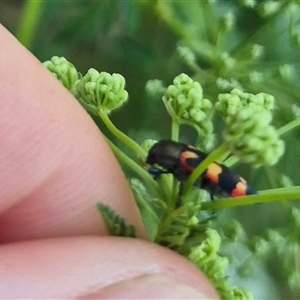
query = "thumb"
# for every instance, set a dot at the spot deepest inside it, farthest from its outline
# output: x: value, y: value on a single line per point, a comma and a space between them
x: 94, y: 267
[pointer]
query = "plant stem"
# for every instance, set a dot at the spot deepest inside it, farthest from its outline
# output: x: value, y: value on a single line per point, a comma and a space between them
x: 232, y: 160
x: 121, y: 136
x: 29, y: 21
x: 133, y: 165
x: 289, y: 126
x: 175, y: 131
x: 271, y: 195
x: 174, y: 137
x: 166, y: 221
x: 218, y: 152
x: 210, y: 19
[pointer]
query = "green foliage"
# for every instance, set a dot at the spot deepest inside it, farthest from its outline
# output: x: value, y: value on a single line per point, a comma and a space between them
x: 274, y: 253
x: 180, y: 223
x: 238, y: 55
x: 252, y: 138
x: 282, y: 247
x: 115, y: 224
x: 206, y: 257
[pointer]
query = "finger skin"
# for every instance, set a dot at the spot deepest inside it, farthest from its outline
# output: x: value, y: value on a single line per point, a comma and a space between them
x: 55, y: 164
x: 79, y: 267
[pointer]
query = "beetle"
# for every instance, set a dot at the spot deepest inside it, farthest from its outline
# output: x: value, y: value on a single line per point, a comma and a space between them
x: 181, y: 160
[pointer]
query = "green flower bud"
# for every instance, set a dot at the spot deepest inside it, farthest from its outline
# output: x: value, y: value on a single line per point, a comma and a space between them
x: 256, y: 77
x: 276, y: 238
x: 185, y: 103
x: 296, y: 218
x: 250, y: 136
x: 215, y: 266
x: 227, y: 62
x: 257, y: 51
x: 227, y: 85
x: 250, y: 54
x: 234, y: 230
x: 294, y: 279
x: 155, y: 88
x: 229, y: 104
x: 261, y: 246
x: 286, y: 181
x: 63, y: 70
x: 187, y: 55
x: 101, y: 91
x: 227, y: 22
x: 286, y: 71
x: 296, y: 110
x: 147, y: 144
x: 269, y: 8
x: 241, y: 294
x: 208, y: 248
x: 248, y: 3
x: 293, y: 7
x: 262, y: 100
x: 193, y: 221
x: 295, y: 38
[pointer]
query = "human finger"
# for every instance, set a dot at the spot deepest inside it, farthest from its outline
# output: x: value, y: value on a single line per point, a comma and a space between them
x: 55, y: 165
x: 98, y: 268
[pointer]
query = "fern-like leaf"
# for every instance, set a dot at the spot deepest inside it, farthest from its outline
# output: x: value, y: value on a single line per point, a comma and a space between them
x: 115, y: 224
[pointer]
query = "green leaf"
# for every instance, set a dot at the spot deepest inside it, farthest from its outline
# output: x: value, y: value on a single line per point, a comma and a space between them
x: 146, y: 206
x: 115, y: 224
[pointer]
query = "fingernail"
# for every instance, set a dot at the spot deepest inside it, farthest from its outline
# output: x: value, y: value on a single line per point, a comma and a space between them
x: 148, y: 287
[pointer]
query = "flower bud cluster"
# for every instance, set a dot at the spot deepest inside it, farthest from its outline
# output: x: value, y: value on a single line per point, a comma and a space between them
x: 250, y: 136
x: 103, y: 91
x: 155, y: 88
x: 206, y: 257
x: 185, y: 103
x: 187, y: 55
x: 63, y: 70
x: 229, y: 104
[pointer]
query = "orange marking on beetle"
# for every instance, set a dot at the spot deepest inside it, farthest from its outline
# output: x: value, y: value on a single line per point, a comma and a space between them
x: 240, y: 190
x: 186, y: 155
x: 212, y: 172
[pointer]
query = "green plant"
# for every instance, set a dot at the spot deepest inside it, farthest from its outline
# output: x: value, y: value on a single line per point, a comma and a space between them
x: 189, y: 228
x: 245, y: 54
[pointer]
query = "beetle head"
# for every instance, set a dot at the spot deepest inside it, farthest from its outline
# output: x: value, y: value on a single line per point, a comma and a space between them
x: 166, y: 154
